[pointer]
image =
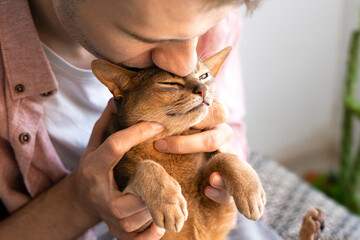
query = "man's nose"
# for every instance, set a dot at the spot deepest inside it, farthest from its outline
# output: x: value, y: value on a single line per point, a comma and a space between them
x: 179, y: 58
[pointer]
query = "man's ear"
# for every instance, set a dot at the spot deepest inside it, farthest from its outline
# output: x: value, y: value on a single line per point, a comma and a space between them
x: 214, y: 62
x: 115, y: 78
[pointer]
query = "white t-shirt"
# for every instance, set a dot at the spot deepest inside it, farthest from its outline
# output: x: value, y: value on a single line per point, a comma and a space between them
x: 70, y: 114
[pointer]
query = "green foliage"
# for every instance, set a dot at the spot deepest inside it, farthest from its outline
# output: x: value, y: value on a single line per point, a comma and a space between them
x: 344, y: 186
x: 329, y: 183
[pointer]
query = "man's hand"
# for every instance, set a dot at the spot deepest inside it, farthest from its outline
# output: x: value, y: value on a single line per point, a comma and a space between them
x: 94, y: 183
x: 215, y: 136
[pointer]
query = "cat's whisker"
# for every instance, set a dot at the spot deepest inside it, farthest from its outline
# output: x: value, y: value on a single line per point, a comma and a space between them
x: 201, y: 55
x: 205, y: 56
x: 212, y: 114
x: 152, y: 115
x: 155, y: 115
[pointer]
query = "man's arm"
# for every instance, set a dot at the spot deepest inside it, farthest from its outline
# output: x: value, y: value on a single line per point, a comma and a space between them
x: 87, y: 195
x: 56, y: 213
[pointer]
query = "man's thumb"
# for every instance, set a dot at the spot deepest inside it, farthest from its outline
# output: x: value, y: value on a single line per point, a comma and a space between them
x: 100, y: 125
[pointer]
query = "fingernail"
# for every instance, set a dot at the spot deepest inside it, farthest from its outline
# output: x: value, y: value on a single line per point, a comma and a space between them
x: 212, y: 192
x: 157, y: 126
x: 217, y: 181
x: 161, y: 145
x: 161, y: 231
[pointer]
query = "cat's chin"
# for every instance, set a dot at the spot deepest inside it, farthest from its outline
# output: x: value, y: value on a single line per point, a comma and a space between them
x: 203, y: 107
x: 185, y: 121
x: 199, y: 112
x: 197, y: 109
x: 197, y: 115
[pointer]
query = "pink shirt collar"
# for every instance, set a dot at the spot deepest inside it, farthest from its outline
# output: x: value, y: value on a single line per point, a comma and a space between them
x: 28, y: 58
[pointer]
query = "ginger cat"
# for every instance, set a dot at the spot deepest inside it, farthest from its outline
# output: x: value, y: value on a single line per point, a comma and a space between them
x: 172, y: 185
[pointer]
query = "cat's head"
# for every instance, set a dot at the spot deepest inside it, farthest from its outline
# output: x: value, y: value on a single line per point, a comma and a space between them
x: 156, y: 95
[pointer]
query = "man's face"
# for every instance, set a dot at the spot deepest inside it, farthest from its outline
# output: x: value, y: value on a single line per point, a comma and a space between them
x: 140, y: 33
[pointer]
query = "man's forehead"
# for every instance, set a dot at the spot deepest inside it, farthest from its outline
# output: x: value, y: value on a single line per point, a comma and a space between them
x: 166, y: 19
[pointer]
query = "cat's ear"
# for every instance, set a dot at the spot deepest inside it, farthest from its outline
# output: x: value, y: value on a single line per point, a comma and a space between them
x: 115, y: 78
x: 214, y: 62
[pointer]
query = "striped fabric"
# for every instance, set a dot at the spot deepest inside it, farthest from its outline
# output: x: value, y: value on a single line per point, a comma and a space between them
x: 289, y: 198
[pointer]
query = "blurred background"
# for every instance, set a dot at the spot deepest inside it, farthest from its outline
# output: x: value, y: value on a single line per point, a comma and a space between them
x: 294, y: 56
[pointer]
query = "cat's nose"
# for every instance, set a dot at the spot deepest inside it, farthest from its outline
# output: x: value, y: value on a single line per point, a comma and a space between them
x: 200, y: 89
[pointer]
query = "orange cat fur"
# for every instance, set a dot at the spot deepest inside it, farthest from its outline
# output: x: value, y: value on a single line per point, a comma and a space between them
x: 172, y: 185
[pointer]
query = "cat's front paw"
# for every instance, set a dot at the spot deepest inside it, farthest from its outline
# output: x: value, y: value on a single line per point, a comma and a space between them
x: 169, y: 209
x: 251, y: 204
x: 248, y: 194
x: 242, y: 183
x: 313, y: 224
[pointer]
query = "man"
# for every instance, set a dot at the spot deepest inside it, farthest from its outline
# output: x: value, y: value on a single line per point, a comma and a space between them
x: 41, y: 200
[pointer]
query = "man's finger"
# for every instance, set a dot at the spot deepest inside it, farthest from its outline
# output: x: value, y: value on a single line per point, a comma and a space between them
x: 126, y: 205
x: 227, y: 148
x: 218, y: 195
x: 120, y: 142
x: 217, y: 189
x: 217, y: 181
x: 218, y: 113
x: 154, y: 233
x: 207, y: 141
x: 135, y: 221
x: 101, y: 124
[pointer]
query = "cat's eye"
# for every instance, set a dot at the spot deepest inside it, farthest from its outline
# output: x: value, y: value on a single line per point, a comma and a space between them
x: 173, y: 84
x: 204, y: 76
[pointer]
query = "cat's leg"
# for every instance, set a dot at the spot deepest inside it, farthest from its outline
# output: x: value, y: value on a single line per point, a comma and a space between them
x: 242, y: 182
x: 161, y: 193
x: 312, y: 226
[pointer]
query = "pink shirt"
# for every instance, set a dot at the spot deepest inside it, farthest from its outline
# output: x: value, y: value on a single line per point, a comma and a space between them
x: 28, y: 162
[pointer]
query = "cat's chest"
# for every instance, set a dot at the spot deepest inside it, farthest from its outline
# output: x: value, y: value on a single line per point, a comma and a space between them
x: 179, y: 166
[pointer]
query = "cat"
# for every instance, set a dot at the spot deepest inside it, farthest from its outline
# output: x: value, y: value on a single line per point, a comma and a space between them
x: 172, y: 185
